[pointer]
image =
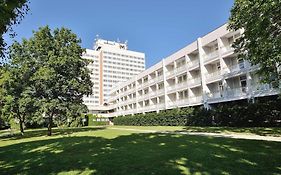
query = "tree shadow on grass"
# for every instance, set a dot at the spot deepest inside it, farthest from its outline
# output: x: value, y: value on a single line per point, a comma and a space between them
x: 149, y: 153
x: 43, y: 132
x: 262, y: 131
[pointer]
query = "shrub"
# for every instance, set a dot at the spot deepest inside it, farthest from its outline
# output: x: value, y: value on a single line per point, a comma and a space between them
x: 93, y: 120
x: 262, y: 113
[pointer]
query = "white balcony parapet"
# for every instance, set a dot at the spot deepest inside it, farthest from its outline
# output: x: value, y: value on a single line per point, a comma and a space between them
x: 181, y: 69
x: 170, y: 72
x: 193, y: 64
x: 213, y: 76
x: 183, y: 102
x: 195, y: 99
x: 194, y: 81
x: 237, y: 68
x: 236, y: 92
x: 172, y: 104
x: 211, y: 96
x: 211, y: 56
x: 160, y: 92
x: 227, y: 49
x: 159, y: 78
x: 263, y: 89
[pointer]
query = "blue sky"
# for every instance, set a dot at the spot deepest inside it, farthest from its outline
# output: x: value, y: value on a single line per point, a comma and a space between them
x: 156, y: 27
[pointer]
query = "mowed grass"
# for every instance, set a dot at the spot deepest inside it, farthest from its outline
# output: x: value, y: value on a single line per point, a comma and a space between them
x: 105, y: 150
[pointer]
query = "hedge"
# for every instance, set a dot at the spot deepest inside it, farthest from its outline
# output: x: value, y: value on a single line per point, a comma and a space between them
x: 263, y: 113
x: 92, y: 121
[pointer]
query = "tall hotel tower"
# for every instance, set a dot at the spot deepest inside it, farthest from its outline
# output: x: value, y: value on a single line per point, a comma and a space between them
x: 112, y: 63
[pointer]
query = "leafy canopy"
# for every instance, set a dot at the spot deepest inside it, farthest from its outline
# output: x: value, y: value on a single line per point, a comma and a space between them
x: 51, y: 60
x: 261, y: 42
x: 11, y: 13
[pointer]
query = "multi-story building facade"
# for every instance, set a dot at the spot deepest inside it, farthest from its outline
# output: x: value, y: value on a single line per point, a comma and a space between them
x: 205, y: 72
x: 111, y: 63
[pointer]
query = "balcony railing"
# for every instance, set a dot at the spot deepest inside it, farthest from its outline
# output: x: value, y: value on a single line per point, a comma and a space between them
x: 184, y: 101
x: 171, y: 73
x: 194, y: 81
x: 211, y: 56
x: 235, y: 92
x: 181, y: 69
x: 214, y: 95
x: 193, y: 64
x: 213, y: 76
x: 237, y: 67
x: 178, y: 86
x: 172, y: 104
x: 159, y: 78
x: 227, y: 49
x: 195, y: 99
x: 264, y: 89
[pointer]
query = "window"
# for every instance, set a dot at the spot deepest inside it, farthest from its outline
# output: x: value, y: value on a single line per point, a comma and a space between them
x: 160, y: 86
x: 218, y: 66
x: 146, y: 103
x: 145, y: 91
x: 230, y: 40
x: 243, y: 82
x: 241, y: 63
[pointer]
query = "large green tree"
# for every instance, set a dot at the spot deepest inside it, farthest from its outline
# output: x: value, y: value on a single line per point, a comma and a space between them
x: 11, y: 13
x: 60, y: 77
x: 16, y: 94
x: 261, y: 41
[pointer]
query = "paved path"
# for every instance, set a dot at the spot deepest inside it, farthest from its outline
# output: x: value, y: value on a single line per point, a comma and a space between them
x: 232, y: 135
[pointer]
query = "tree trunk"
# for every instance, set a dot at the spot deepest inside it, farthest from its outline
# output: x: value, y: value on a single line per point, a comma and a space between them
x: 50, y: 125
x: 21, y: 126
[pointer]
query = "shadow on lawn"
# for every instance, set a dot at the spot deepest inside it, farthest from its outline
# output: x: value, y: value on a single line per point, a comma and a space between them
x: 262, y: 131
x: 142, y: 154
x: 43, y: 132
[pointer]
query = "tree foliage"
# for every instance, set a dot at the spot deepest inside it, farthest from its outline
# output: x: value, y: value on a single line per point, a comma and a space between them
x: 11, y: 13
x: 261, y: 41
x: 17, y: 92
x: 56, y: 75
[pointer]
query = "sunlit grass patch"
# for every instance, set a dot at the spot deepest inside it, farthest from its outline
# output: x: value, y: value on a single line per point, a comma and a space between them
x: 107, y: 151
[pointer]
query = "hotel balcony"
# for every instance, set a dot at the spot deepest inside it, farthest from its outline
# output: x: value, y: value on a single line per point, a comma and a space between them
x: 214, y: 76
x: 209, y: 57
x: 178, y: 103
x: 151, y: 107
x: 236, y: 69
x: 193, y: 64
x: 177, y: 87
x: 158, y: 79
x: 176, y: 71
x: 264, y: 89
x: 156, y: 93
x: 143, y: 97
x: 181, y: 69
x: 195, y: 100
x: 171, y: 73
x: 172, y: 104
x: 227, y: 50
x: 236, y: 92
x: 193, y: 82
x: 151, y: 94
x: 214, y: 96
x: 129, y: 91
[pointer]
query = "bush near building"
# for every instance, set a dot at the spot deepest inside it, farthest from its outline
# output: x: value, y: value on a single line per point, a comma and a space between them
x: 265, y: 112
x: 94, y: 120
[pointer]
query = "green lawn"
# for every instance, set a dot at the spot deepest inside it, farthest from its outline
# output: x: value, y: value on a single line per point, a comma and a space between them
x: 101, y: 150
x: 261, y: 131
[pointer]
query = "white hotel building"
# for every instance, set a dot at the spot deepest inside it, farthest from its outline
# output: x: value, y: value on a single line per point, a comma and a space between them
x: 112, y: 63
x: 205, y: 72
